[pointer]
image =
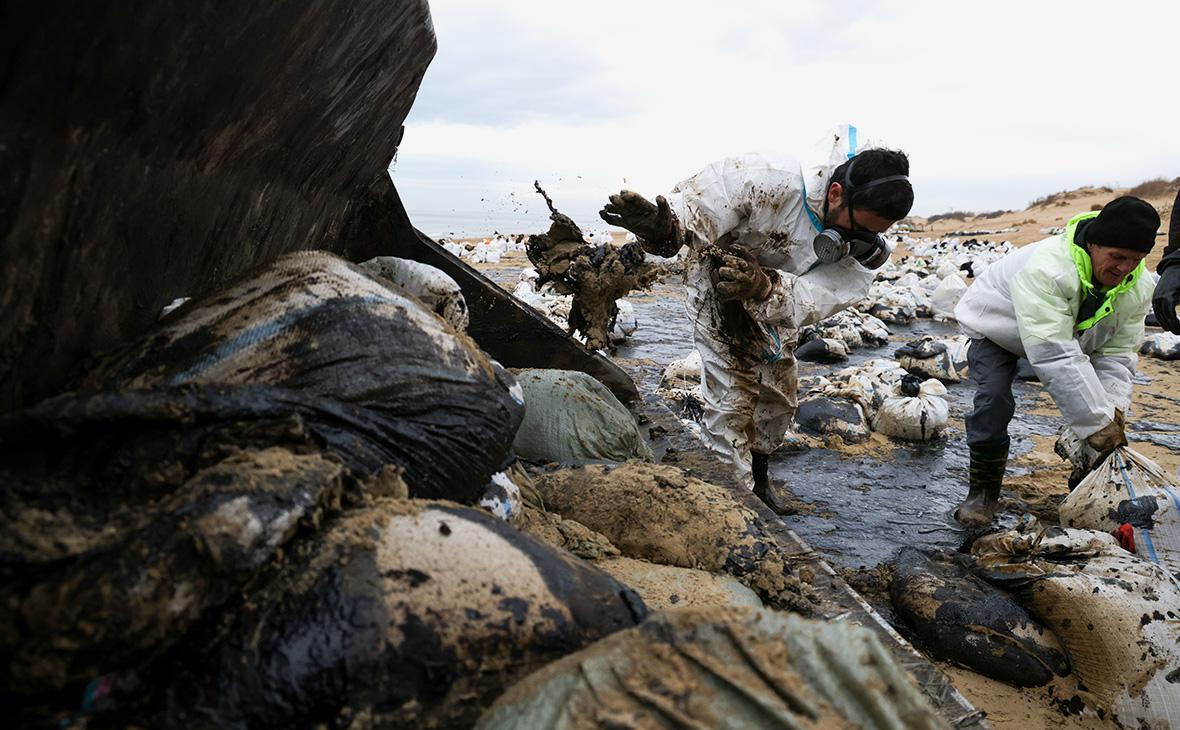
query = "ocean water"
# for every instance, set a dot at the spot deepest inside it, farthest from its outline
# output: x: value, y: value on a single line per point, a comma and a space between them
x: 470, y: 224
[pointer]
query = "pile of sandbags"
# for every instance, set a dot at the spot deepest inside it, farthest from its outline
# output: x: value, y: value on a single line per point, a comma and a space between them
x: 846, y: 403
x: 835, y: 337
x: 139, y: 507
x: 402, y: 614
x: 930, y: 282
x: 1116, y: 615
x: 943, y: 358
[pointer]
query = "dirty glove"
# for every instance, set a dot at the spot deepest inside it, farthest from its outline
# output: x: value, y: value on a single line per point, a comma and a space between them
x: 1110, y: 437
x: 655, y: 225
x: 1167, y: 296
x: 740, y: 277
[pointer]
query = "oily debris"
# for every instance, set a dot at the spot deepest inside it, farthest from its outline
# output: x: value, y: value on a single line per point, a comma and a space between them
x: 596, y: 275
x: 666, y: 586
x: 96, y: 582
x: 405, y: 613
x: 732, y: 666
x: 658, y: 513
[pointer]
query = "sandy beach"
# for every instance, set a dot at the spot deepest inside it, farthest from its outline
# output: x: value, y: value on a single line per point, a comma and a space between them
x: 1037, y: 477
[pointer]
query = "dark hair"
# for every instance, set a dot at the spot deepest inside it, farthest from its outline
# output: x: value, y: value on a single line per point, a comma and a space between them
x: 891, y: 200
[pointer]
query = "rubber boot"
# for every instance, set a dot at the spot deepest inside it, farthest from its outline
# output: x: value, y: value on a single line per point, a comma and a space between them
x: 986, y: 476
x: 776, y: 496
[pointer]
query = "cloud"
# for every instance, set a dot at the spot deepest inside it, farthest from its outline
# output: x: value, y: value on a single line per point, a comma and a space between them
x: 995, y: 103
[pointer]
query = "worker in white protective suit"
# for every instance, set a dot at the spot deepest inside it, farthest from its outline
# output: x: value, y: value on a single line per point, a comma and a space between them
x: 770, y: 250
x: 1073, y: 305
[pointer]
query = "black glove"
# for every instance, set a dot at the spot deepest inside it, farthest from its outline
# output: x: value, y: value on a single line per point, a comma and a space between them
x: 1167, y: 296
x: 655, y: 225
x: 740, y: 277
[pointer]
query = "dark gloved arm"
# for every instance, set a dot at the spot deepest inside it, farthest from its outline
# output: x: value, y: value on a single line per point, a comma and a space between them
x: 655, y: 225
x: 1167, y: 291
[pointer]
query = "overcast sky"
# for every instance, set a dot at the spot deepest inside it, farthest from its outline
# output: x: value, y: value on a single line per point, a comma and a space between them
x: 996, y: 102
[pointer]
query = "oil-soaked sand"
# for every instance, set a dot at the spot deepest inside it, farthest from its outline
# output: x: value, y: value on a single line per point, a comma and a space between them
x: 871, y: 499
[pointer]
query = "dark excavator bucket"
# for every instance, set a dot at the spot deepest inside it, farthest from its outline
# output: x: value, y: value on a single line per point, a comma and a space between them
x: 153, y: 150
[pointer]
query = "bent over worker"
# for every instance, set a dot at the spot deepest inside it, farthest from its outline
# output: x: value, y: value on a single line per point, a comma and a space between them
x: 770, y: 251
x: 1074, y: 305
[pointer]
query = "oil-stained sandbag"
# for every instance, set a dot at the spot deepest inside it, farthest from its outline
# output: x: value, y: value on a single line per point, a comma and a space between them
x: 684, y: 373
x: 101, y: 576
x: 962, y: 619
x: 821, y: 415
x: 1129, y: 488
x: 402, y: 614
x: 666, y: 586
x: 570, y: 416
x: 822, y: 349
x: 429, y: 285
x: 852, y: 327
x: 931, y: 357
x: 1161, y: 345
x: 314, y: 323
x: 1117, y: 616
x: 733, y: 667
x: 867, y: 384
x: 917, y: 412
x: 658, y: 513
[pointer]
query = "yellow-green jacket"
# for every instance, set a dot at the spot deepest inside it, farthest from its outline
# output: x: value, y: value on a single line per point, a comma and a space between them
x: 1028, y: 303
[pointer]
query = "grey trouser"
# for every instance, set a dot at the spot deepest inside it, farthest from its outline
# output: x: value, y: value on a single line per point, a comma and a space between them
x: 992, y: 370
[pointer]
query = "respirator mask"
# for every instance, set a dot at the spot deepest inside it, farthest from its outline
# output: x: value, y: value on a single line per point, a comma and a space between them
x: 835, y: 242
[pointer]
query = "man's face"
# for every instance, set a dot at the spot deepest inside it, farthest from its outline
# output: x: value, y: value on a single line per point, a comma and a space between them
x: 1111, y: 265
x: 865, y: 220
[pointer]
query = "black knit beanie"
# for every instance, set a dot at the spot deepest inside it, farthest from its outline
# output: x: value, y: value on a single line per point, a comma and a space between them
x: 1125, y: 222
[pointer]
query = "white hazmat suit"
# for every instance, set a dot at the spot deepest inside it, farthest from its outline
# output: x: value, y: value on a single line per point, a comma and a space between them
x: 747, y: 348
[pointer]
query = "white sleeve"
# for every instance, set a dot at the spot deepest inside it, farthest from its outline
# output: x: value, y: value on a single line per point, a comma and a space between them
x: 1046, y: 325
x: 796, y: 301
x: 729, y: 192
x: 1114, y: 374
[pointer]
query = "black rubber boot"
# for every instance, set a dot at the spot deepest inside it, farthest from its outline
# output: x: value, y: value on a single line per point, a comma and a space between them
x: 776, y: 496
x: 985, y: 479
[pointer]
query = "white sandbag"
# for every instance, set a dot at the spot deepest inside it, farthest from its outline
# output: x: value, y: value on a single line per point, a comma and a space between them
x: 1117, y: 616
x: 1129, y: 488
x: 626, y: 323
x: 917, y: 417
x: 945, y: 269
x: 683, y: 373
x: 502, y: 498
x: 1162, y: 345
x: 946, y: 296
x: 429, y: 285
